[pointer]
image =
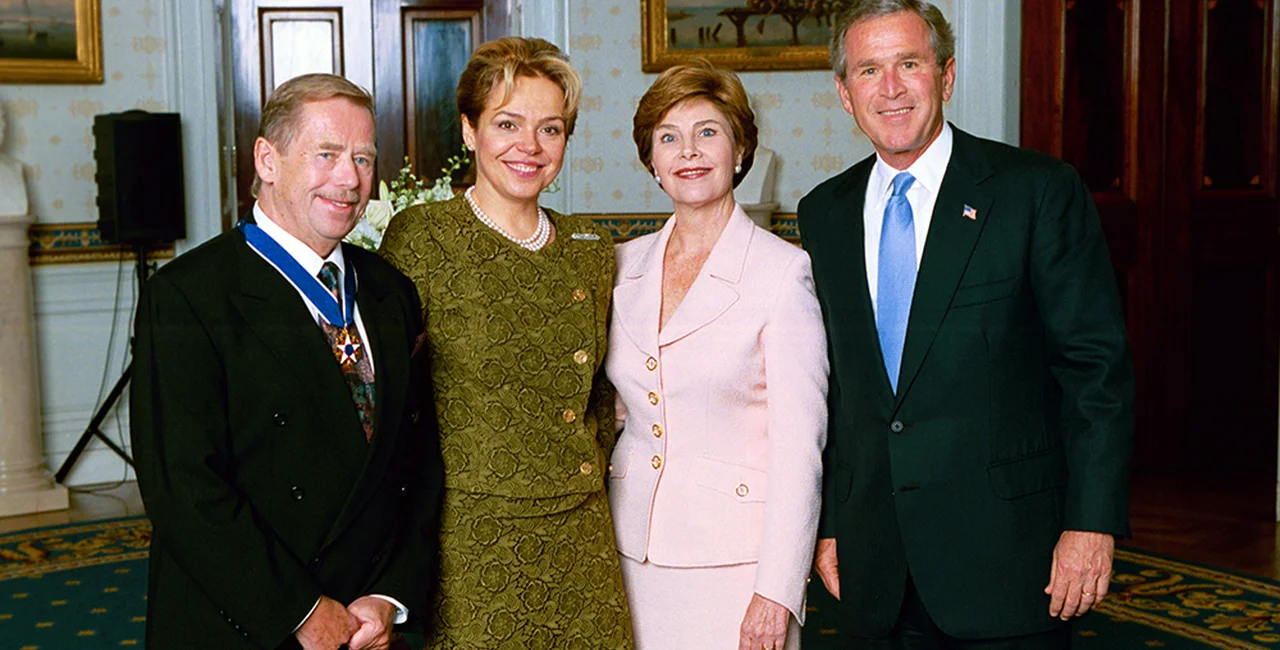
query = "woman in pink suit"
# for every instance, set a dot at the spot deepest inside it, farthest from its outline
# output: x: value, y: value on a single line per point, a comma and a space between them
x: 717, y: 350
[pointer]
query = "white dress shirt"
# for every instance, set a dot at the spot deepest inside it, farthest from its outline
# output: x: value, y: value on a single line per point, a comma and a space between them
x: 312, y: 263
x: 928, y: 170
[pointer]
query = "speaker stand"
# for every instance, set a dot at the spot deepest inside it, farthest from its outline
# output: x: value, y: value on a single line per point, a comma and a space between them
x: 94, y: 430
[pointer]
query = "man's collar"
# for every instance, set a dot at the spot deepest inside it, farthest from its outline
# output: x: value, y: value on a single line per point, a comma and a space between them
x: 299, y: 251
x: 928, y: 169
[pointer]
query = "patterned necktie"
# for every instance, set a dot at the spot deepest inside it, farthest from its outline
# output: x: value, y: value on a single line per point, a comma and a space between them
x: 350, y: 353
x: 897, y: 276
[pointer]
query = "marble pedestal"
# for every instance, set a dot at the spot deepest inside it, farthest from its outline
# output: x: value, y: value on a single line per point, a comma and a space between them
x: 25, y: 485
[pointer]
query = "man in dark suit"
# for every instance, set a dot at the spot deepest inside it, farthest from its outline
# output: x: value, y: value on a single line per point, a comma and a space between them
x: 282, y: 419
x: 981, y: 393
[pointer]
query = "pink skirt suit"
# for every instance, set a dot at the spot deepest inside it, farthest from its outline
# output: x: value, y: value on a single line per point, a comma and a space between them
x: 715, y: 481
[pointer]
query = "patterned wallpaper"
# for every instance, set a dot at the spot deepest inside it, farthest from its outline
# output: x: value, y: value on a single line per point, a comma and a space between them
x: 799, y: 116
x: 50, y: 126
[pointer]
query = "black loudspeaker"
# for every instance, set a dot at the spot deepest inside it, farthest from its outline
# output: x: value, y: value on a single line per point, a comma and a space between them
x: 140, y: 183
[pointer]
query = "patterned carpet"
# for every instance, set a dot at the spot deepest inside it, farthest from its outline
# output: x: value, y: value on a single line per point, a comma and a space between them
x: 79, y: 586
x: 1155, y: 602
x: 83, y: 587
x: 1212, y: 607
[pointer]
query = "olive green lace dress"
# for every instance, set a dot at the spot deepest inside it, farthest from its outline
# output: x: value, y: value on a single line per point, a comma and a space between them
x: 516, y: 337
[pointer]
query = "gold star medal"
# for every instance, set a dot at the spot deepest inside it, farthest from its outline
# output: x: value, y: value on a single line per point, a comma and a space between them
x: 345, y: 347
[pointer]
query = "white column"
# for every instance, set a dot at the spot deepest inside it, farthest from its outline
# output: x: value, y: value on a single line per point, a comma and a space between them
x: 25, y: 486
x: 987, y: 97
x: 196, y: 41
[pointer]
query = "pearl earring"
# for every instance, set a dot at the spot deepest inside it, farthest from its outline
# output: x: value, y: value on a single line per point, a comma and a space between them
x: 737, y: 169
x: 657, y: 179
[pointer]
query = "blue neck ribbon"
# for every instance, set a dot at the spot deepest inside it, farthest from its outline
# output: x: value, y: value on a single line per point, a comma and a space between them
x: 338, y: 315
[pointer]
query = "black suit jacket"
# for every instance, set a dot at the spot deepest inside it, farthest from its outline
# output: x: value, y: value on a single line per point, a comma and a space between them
x: 1013, y: 420
x: 251, y: 459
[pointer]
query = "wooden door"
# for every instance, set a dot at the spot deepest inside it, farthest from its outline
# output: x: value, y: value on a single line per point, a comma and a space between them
x: 1223, y: 216
x: 273, y: 40
x: 421, y: 48
x: 400, y: 50
x: 1169, y: 111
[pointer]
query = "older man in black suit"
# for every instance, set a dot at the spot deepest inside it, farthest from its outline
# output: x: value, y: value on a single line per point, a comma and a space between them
x: 281, y: 413
x: 981, y: 422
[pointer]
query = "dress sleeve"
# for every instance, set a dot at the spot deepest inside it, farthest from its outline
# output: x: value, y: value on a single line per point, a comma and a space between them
x: 795, y: 352
x: 604, y: 397
x: 399, y: 243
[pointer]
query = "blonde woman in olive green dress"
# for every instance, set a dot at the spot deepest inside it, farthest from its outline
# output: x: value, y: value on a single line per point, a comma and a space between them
x: 517, y: 301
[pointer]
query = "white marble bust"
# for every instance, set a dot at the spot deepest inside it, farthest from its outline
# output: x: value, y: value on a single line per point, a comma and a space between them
x: 13, y: 192
x: 755, y: 192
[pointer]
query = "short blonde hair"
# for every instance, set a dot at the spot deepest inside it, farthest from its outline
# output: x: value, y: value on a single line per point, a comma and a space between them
x: 697, y: 79
x: 283, y: 109
x: 500, y: 62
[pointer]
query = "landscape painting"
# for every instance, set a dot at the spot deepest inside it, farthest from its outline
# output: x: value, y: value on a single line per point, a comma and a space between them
x: 739, y: 34
x: 50, y: 41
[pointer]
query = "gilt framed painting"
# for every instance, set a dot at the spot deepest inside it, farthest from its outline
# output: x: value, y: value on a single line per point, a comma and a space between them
x: 738, y: 34
x: 50, y: 41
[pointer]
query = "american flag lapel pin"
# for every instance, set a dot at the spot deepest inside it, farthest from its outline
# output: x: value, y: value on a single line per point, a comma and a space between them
x: 970, y: 213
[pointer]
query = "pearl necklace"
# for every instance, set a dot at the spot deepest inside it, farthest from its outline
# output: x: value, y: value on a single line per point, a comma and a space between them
x: 533, y: 242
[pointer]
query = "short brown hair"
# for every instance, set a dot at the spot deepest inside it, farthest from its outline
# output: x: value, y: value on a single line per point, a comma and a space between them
x: 941, y: 38
x: 281, y: 112
x: 502, y: 61
x: 697, y: 79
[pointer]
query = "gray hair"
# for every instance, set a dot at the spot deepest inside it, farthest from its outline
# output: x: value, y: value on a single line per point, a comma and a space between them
x: 282, y: 114
x: 941, y: 38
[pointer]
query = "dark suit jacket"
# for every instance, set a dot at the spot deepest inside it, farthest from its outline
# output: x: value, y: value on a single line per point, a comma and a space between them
x: 251, y: 459
x: 1014, y: 416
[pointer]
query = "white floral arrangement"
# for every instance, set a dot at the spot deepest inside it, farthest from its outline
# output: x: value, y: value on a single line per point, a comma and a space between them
x: 404, y: 191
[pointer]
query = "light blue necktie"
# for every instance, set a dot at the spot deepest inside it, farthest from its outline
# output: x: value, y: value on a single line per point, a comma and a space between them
x: 897, y: 276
